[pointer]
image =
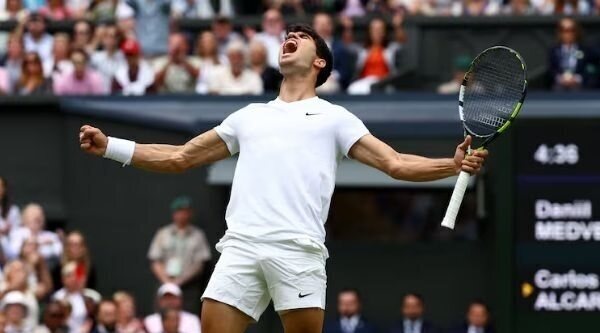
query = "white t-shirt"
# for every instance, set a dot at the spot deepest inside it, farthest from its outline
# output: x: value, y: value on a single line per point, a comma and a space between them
x: 188, y: 323
x: 285, y: 174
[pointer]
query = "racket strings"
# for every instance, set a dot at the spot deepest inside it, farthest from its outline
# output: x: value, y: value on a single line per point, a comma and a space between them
x: 494, y: 87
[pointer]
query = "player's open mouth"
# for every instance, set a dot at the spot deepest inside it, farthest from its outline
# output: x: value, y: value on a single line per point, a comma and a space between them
x: 290, y: 46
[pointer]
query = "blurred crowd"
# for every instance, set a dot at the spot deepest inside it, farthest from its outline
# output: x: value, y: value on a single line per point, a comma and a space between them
x: 135, y: 47
x: 48, y: 278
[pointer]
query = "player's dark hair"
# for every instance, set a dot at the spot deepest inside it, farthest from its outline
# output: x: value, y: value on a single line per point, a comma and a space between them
x: 353, y: 291
x: 323, y: 51
x: 5, y: 200
x: 415, y: 295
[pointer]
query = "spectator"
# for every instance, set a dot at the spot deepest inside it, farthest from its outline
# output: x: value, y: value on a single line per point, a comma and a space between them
x: 37, y: 39
x: 12, y: 63
x: 76, y: 250
x: 54, y: 319
x: 108, y: 60
x: 349, y: 319
x: 13, y: 11
x: 127, y: 322
x: 235, y: 78
x: 343, y: 59
x: 107, y: 318
x: 480, y: 8
x: 272, y: 35
x: 152, y: 25
x: 376, y: 60
x: 271, y: 78
x: 572, y: 7
x: 83, y: 34
x: 103, y: 10
x: 17, y: 283
x: 477, y: 319
x: 135, y: 76
x: 10, y: 216
x: 176, y: 72
x: 461, y: 65
x: 170, y: 320
x: 179, y: 252
x: 33, y: 5
x: 15, y: 306
x: 75, y: 294
x: 32, y: 80
x: 209, y: 59
x: 354, y: 8
x: 169, y: 297
x: 518, y: 8
x: 201, y: 9
x: 223, y: 32
x: 413, y: 308
x: 571, y: 64
x: 83, y: 80
x: 60, y: 62
x: 46, y: 242
x: 55, y: 10
x: 38, y: 275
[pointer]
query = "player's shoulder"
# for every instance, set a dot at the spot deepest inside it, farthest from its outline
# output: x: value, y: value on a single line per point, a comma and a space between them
x: 332, y: 108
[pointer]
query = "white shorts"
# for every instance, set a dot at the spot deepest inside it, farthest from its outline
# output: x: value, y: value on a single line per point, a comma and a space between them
x: 249, y: 274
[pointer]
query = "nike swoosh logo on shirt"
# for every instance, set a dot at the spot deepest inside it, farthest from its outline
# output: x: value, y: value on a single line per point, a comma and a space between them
x: 312, y: 114
x: 302, y: 296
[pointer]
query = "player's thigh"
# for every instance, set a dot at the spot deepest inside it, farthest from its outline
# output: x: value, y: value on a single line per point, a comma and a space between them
x: 309, y: 320
x: 219, y: 317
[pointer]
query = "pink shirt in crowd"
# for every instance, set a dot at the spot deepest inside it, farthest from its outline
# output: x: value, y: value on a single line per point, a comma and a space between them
x: 91, y: 84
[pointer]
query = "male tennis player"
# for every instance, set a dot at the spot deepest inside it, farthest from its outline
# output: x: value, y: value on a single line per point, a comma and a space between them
x: 289, y: 149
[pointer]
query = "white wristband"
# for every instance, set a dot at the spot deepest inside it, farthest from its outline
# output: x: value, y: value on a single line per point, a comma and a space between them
x: 120, y: 150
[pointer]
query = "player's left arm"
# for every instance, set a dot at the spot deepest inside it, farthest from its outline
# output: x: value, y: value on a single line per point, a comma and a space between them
x: 373, y: 152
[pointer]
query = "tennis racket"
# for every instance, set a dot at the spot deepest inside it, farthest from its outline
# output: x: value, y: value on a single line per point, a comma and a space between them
x: 491, y: 96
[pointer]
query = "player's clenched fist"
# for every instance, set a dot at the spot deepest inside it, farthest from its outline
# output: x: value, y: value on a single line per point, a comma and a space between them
x: 92, y: 140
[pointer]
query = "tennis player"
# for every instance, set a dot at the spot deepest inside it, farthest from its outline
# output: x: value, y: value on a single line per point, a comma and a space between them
x: 289, y: 149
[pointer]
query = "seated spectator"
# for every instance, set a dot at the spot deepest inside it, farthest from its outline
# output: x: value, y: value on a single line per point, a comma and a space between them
x: 235, y: 78
x: 36, y: 39
x: 354, y: 8
x: 571, y: 64
x: 76, y: 250
x: 15, y: 306
x: 201, y: 9
x: 10, y: 218
x: 17, y: 282
x: 12, y: 63
x: 38, y: 274
x: 47, y: 243
x: 350, y: 319
x: 413, y: 309
x: 223, y: 31
x: 271, y: 77
x: 78, y: 8
x: 83, y: 37
x: 272, y: 35
x: 176, y: 72
x: 75, y: 294
x: 13, y: 11
x: 169, y: 297
x: 572, y: 7
x: 170, y: 320
x: 55, y: 10
x: 54, y: 319
x: 103, y: 10
x: 152, y: 25
x: 107, y: 318
x: 127, y: 321
x: 60, y: 62
x: 179, y: 252
x: 518, y: 8
x: 32, y: 80
x: 477, y: 319
x: 83, y: 80
x: 461, y: 65
x: 343, y: 59
x: 108, y: 60
x: 209, y: 59
x: 376, y: 60
x: 135, y: 76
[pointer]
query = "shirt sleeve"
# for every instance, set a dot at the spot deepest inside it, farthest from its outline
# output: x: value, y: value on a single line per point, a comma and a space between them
x: 228, y: 131
x: 349, y: 130
x: 155, y: 252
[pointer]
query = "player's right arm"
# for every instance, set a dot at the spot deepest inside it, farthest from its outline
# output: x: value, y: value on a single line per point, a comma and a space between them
x: 204, y: 149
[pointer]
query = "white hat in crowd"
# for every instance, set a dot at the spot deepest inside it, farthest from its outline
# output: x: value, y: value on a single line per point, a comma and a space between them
x: 169, y: 288
x: 13, y: 298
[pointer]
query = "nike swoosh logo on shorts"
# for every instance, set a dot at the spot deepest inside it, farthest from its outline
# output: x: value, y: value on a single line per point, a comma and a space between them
x: 312, y: 114
x: 302, y: 296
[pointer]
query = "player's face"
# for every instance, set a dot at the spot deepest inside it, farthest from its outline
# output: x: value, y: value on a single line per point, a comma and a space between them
x: 298, y: 53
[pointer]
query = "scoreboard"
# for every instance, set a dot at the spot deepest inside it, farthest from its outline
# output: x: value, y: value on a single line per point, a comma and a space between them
x: 557, y: 225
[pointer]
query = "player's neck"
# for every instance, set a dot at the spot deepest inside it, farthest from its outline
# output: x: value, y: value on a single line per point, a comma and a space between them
x: 295, y: 89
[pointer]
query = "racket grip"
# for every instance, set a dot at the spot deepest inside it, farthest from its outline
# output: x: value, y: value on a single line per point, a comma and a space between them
x: 456, y: 199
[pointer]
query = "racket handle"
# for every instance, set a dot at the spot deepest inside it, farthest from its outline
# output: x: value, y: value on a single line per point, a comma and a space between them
x: 456, y: 199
